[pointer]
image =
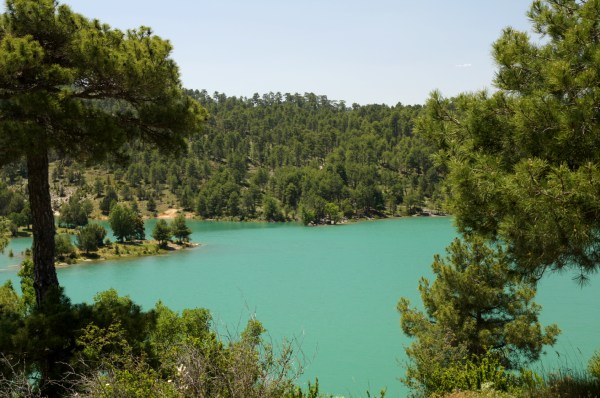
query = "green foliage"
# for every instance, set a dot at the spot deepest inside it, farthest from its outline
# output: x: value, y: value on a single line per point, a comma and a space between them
x: 9, y: 300
x: 74, y: 86
x: 162, y: 232
x: 10, y: 201
x: 109, y: 200
x: 308, y: 216
x: 214, y: 196
x: 523, y: 162
x: 332, y: 213
x: 47, y: 43
x: 14, y: 213
x: 187, y: 359
x: 21, y: 219
x: 523, y: 172
x: 125, y: 223
x: 27, y: 291
x: 75, y: 212
x: 475, y: 306
x: 594, y: 365
x: 64, y: 248
x: 301, y: 150
x: 566, y: 382
x: 180, y: 229
x: 109, y: 308
x: 151, y: 205
x: 103, y: 346
x: 113, y: 348
x: 91, y: 237
x: 311, y: 392
x: 135, y: 381
x: 471, y: 374
x: 271, y: 210
x: 4, y: 232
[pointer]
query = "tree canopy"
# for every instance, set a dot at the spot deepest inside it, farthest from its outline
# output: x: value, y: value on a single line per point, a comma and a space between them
x: 524, y: 165
x: 75, y: 212
x: 475, y: 307
x: 162, y: 232
x: 77, y: 87
x: 125, y: 223
x: 91, y: 237
x: 180, y: 229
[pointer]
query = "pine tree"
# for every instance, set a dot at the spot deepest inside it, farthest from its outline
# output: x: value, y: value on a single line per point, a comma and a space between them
x: 180, y: 229
x: 90, y: 237
x: 151, y: 204
x: 524, y: 164
x: 161, y: 232
x: 125, y: 223
x: 473, y: 307
x: 78, y: 87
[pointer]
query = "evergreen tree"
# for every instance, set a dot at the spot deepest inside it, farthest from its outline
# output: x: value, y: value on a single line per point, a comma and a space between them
x: 76, y: 86
x: 135, y: 207
x: 186, y: 199
x: 138, y: 226
x: 126, y: 193
x: 151, y: 204
x: 180, y: 229
x: 524, y: 164
x: 75, y: 212
x: 64, y: 246
x: 125, y: 223
x: 162, y: 232
x: 4, y: 232
x: 271, y: 210
x: 90, y: 237
x: 98, y: 188
x: 108, y: 199
x: 474, y: 306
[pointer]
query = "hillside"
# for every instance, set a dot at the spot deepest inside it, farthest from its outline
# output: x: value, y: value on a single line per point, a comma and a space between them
x: 273, y: 157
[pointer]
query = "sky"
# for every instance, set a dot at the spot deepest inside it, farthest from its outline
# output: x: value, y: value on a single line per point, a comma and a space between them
x: 377, y: 51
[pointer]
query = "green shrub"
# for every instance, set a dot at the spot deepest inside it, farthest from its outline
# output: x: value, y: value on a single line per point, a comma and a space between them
x: 63, y: 247
x: 471, y: 374
x: 594, y: 365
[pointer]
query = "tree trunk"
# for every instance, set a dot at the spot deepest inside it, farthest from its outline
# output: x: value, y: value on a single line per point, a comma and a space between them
x: 43, y: 225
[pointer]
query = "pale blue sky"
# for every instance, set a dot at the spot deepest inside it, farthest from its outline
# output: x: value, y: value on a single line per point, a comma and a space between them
x: 380, y: 51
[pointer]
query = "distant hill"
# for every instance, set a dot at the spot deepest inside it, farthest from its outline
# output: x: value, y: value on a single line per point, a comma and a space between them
x: 274, y: 157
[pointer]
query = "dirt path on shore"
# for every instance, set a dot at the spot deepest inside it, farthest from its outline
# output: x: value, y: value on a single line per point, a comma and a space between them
x: 168, y: 214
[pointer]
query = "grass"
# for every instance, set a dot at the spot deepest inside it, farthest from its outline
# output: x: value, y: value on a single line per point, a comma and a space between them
x: 565, y: 383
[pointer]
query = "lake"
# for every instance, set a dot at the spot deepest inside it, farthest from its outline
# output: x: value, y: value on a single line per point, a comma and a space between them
x: 334, y: 289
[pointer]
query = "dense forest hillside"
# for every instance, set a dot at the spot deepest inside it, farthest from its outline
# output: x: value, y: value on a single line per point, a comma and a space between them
x: 274, y: 157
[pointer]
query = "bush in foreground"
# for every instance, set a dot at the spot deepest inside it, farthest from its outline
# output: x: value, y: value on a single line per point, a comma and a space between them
x: 112, y: 348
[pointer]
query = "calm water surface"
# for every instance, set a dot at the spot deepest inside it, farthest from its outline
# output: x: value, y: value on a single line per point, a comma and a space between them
x: 334, y: 289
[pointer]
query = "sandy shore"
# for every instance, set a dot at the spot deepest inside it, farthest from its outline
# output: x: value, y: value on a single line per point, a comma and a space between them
x: 172, y: 213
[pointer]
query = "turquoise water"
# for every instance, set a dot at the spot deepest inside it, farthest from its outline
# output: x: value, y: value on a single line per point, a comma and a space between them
x: 334, y: 289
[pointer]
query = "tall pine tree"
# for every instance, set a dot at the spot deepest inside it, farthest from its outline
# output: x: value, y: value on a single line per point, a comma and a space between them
x: 524, y: 164
x: 77, y: 87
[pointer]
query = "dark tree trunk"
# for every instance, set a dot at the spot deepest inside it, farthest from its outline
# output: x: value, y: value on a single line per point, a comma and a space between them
x: 43, y: 225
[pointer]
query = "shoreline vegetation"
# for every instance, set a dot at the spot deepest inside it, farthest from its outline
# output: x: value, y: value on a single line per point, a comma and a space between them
x: 92, y: 245
x: 123, y: 251
x: 115, y: 251
x: 276, y: 157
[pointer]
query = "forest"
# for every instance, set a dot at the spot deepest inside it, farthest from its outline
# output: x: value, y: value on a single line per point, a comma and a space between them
x: 275, y: 158
x: 92, y: 117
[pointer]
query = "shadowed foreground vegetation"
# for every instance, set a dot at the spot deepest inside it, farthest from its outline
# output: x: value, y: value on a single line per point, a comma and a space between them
x: 112, y: 348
